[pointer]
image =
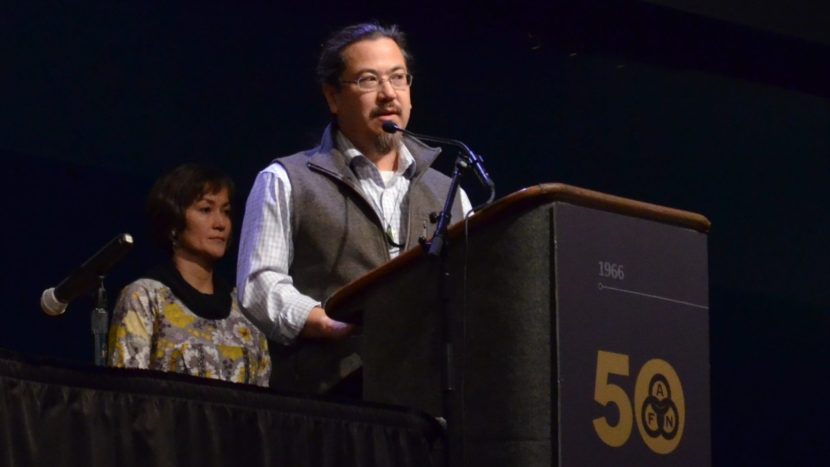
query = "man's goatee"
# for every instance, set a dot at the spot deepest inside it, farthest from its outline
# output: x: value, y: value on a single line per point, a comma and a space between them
x: 386, y: 142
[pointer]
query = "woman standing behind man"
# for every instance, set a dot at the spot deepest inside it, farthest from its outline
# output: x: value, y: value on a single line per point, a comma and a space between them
x: 180, y: 317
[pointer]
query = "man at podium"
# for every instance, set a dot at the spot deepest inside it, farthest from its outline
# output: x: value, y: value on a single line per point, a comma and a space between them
x: 320, y: 218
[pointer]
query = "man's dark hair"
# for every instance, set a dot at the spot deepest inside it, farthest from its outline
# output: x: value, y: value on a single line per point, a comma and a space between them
x: 174, y: 192
x: 330, y: 66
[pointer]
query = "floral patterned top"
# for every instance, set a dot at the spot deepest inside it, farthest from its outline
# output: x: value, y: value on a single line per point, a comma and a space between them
x: 153, y: 329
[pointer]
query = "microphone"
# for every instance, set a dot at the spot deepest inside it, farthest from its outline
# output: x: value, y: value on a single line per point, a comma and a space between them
x: 54, y: 300
x: 472, y: 158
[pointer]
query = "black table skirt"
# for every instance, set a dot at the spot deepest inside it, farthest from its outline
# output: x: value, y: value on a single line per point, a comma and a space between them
x: 63, y: 414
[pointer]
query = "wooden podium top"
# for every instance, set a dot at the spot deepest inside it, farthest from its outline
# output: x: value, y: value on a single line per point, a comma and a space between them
x: 519, y: 201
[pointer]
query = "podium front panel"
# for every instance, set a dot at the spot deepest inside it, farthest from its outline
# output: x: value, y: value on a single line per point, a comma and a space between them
x: 632, y: 341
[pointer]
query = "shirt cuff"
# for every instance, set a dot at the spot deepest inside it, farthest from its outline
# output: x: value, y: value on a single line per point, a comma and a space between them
x: 296, y: 314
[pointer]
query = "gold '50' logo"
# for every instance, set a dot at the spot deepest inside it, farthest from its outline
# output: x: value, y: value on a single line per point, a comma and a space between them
x: 659, y: 406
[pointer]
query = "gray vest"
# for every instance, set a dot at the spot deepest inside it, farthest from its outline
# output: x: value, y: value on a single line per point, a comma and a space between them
x: 337, y: 234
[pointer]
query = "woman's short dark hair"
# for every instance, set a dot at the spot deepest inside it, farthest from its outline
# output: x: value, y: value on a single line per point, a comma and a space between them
x: 174, y: 192
x: 330, y: 66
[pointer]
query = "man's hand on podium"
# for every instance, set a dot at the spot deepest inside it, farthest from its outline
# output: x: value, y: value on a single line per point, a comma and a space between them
x: 319, y: 325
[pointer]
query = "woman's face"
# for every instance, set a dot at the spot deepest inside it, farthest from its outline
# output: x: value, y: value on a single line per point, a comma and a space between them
x: 207, y: 227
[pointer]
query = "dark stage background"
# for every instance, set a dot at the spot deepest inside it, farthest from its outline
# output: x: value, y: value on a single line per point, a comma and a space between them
x: 711, y: 107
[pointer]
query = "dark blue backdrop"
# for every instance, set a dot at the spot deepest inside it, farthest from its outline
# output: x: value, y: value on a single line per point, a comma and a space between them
x: 622, y: 97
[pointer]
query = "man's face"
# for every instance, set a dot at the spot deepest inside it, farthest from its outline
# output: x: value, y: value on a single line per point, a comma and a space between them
x: 360, y: 114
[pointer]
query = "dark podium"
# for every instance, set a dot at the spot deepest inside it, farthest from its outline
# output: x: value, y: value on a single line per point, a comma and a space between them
x: 579, y: 325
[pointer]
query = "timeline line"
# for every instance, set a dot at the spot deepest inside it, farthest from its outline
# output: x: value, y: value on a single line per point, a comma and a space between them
x: 642, y: 294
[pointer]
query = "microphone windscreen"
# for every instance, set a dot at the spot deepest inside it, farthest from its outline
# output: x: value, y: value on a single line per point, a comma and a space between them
x: 390, y: 127
x: 50, y: 304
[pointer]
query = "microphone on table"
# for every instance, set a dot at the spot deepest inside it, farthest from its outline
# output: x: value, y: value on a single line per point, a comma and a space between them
x: 54, y: 300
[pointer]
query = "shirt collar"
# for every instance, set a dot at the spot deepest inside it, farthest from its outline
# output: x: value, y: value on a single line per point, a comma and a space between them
x: 406, y: 162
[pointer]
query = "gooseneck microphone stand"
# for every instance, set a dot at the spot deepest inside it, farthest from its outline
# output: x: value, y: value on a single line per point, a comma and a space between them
x: 436, y: 245
x: 437, y: 250
x: 467, y: 159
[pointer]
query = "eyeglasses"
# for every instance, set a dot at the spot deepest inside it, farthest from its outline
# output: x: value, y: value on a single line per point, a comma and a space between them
x: 398, y: 80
